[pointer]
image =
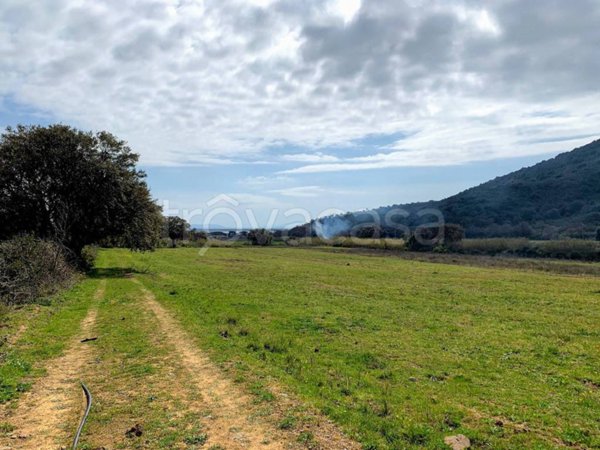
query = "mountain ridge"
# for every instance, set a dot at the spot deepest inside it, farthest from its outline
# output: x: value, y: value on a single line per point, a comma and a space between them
x: 557, y: 197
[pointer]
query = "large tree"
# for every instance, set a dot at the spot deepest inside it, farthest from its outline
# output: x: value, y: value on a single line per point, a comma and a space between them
x: 74, y: 187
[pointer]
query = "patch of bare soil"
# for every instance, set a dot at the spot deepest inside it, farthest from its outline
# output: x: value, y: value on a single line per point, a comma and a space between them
x: 233, y: 422
x: 46, y: 416
x: 12, y: 340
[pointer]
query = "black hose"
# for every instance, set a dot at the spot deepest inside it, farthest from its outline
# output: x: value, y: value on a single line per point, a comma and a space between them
x: 88, y: 398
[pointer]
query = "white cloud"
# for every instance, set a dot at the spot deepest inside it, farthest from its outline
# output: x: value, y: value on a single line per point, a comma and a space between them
x: 300, y: 191
x: 215, y: 82
x: 346, y: 9
x: 537, y: 133
x: 316, y: 157
x: 264, y: 181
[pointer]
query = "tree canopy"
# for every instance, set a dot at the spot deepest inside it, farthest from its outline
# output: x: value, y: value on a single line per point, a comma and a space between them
x: 260, y: 237
x: 74, y: 187
x: 176, y: 228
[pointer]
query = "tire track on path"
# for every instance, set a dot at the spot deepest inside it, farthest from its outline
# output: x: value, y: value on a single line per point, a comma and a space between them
x: 46, y: 416
x: 228, y: 425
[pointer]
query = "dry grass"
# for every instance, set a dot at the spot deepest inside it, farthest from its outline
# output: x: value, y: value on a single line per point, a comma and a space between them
x: 559, y: 266
x: 577, y: 249
x: 349, y: 242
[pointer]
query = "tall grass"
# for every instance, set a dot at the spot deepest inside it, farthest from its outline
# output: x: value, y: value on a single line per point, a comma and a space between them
x: 577, y: 249
x: 561, y: 249
x: 349, y: 242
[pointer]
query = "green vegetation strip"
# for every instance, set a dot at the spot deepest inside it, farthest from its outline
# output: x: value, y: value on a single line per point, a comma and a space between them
x: 47, y: 331
x: 400, y: 353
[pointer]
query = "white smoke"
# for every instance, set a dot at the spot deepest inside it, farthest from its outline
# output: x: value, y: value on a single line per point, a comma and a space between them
x: 330, y: 227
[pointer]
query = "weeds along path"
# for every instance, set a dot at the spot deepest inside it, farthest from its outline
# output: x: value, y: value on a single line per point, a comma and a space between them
x: 46, y: 416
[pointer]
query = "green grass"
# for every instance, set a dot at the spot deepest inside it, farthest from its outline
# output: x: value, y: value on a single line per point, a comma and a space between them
x: 49, y: 328
x: 399, y: 353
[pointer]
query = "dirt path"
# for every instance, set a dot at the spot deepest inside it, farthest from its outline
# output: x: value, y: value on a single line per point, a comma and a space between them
x: 232, y: 424
x: 228, y: 426
x: 184, y: 396
x: 46, y: 416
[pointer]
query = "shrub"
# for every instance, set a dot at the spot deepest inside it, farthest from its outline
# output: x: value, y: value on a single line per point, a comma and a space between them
x: 428, y: 238
x: 31, y: 269
x: 198, y: 236
x: 301, y: 231
x: 88, y: 256
x: 598, y: 234
x: 260, y: 237
x: 367, y: 232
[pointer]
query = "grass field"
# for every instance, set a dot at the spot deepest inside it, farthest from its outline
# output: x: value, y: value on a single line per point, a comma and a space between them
x: 399, y: 353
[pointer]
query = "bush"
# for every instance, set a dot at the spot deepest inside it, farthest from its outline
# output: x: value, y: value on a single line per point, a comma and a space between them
x: 598, y: 234
x: 260, y: 237
x: 198, y: 236
x: 88, y: 256
x: 31, y: 269
x: 301, y: 231
x: 367, y: 232
x: 428, y: 238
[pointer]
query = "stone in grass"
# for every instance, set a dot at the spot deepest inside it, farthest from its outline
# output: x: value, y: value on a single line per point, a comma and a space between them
x: 458, y: 442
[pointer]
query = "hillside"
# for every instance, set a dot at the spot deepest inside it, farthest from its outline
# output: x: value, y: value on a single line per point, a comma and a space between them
x: 559, y: 197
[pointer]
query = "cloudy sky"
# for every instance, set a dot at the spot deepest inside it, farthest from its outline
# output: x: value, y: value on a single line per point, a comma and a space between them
x: 310, y: 103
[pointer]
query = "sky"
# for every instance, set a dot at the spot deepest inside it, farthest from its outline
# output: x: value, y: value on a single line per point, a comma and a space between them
x: 292, y: 107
